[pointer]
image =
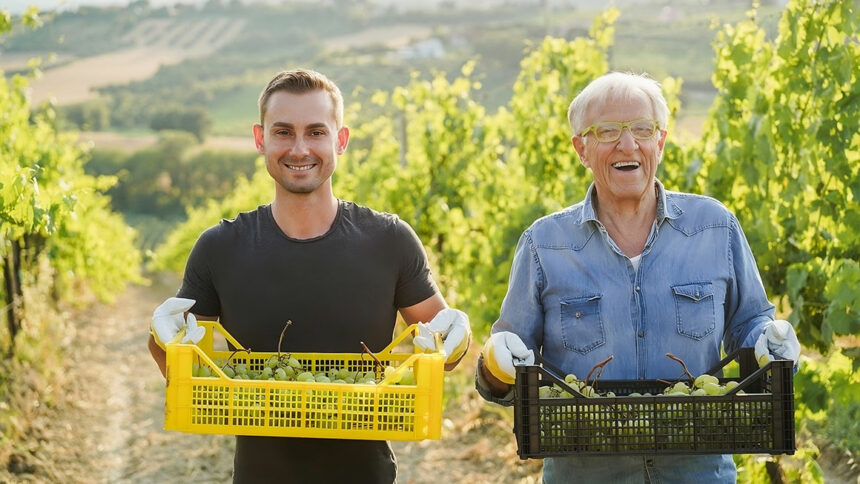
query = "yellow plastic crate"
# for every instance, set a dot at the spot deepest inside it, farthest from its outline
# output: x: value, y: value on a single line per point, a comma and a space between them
x: 221, y: 405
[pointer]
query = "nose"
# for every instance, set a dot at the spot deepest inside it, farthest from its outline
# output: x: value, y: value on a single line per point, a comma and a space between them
x: 299, y: 149
x: 627, y: 143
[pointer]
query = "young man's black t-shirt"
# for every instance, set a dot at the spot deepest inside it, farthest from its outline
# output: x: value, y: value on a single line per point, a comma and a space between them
x: 339, y: 289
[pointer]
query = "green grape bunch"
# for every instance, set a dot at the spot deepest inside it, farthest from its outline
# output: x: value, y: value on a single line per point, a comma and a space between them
x: 285, y: 367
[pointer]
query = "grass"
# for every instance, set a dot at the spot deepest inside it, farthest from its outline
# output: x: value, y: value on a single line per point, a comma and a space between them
x: 234, y: 113
x: 31, y: 375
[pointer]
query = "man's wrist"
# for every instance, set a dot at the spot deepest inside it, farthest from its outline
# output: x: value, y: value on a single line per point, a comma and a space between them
x: 497, y: 387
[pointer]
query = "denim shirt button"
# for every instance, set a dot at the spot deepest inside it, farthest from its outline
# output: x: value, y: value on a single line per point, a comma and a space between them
x: 641, y: 334
x: 636, y: 288
x: 578, y: 315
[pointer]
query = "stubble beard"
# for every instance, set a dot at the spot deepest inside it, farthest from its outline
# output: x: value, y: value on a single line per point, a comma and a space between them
x: 300, y: 187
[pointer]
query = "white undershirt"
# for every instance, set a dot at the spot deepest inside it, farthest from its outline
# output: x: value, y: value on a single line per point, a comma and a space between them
x: 635, y: 262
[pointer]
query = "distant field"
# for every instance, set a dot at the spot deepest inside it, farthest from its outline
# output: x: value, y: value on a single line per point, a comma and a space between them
x: 133, y: 142
x: 643, y: 42
x: 16, y: 62
x: 391, y: 36
x: 234, y: 114
x: 156, y: 42
x: 76, y: 81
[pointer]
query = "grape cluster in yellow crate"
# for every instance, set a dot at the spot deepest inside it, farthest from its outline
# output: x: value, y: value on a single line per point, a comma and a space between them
x: 288, y: 368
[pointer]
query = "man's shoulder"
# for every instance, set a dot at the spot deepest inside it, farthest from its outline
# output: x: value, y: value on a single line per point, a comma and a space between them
x: 367, y: 217
x: 564, y: 228
x: 694, y: 202
x: 572, y: 215
x: 241, y: 223
x: 697, y: 211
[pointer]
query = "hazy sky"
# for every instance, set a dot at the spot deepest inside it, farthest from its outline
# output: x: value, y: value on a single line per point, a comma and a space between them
x: 18, y: 6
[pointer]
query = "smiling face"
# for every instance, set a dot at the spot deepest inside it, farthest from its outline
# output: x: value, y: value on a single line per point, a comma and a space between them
x: 300, y: 141
x: 624, y: 170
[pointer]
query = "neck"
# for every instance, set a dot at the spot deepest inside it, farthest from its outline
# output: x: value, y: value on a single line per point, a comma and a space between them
x: 628, y: 222
x: 304, y: 216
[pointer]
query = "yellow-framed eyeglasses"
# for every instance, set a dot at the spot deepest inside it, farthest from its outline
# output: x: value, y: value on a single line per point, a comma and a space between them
x: 610, y: 131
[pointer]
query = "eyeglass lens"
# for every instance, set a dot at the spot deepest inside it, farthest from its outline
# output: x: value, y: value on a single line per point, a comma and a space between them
x: 611, y: 131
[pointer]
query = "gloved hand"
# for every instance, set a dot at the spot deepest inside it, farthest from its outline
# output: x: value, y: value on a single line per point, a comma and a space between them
x: 168, y: 319
x: 502, y: 352
x: 777, y: 341
x: 453, y: 325
x: 193, y: 333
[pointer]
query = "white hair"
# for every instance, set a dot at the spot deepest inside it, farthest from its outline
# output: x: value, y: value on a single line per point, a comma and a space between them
x: 617, y: 87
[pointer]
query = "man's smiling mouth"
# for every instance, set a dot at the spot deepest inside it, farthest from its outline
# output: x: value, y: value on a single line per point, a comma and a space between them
x: 300, y: 167
x: 626, y: 165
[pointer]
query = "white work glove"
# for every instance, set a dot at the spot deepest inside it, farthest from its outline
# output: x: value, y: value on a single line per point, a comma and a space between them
x: 502, y: 352
x: 168, y: 319
x: 453, y: 325
x: 777, y: 342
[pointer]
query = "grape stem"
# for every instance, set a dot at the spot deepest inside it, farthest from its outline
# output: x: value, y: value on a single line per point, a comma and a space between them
x: 281, y: 339
x: 686, y: 372
x: 367, y: 350
x: 284, y: 357
x: 600, y: 365
x: 227, y: 363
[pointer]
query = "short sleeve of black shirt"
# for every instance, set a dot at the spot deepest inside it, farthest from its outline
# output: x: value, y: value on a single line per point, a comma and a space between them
x: 416, y: 282
x: 197, y: 280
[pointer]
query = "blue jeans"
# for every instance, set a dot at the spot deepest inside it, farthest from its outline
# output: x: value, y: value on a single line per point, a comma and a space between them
x: 639, y: 469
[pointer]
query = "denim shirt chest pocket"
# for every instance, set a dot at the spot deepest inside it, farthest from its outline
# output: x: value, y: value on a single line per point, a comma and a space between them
x: 581, y: 325
x: 694, y: 309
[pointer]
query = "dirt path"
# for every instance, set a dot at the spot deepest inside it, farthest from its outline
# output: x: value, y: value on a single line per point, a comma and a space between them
x: 109, y: 428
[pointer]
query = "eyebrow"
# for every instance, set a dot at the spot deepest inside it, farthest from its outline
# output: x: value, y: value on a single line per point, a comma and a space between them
x: 281, y: 124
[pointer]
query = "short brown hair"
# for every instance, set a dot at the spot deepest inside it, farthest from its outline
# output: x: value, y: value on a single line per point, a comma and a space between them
x: 300, y: 81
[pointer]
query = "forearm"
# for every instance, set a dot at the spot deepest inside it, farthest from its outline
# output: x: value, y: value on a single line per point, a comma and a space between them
x: 158, y: 355
x: 747, y: 305
x: 745, y: 335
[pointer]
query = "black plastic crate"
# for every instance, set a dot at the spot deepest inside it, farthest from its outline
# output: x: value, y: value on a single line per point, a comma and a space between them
x: 759, y: 421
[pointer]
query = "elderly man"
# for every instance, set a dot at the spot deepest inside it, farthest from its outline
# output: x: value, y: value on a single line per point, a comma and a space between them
x: 632, y: 271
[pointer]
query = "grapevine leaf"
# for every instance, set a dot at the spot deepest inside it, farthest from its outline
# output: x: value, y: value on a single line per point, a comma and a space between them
x: 795, y: 280
x: 843, y: 311
x: 813, y: 393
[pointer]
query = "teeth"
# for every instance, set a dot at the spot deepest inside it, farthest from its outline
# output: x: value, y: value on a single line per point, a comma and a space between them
x: 622, y: 164
x: 300, y: 167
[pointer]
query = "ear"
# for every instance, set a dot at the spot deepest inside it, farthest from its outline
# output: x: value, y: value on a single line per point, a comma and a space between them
x: 660, y: 143
x: 258, y: 138
x: 342, y: 139
x: 579, y: 146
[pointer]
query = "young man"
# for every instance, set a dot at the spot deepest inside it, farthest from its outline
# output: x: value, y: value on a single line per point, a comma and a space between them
x: 337, y: 270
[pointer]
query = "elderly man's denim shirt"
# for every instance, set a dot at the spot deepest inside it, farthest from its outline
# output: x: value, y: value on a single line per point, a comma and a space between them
x: 574, y: 296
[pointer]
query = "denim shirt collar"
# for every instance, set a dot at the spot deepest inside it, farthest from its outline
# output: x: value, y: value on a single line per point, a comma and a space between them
x: 666, y: 208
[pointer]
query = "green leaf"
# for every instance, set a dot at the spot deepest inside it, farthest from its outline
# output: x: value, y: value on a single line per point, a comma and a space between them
x: 31, y: 18
x: 795, y: 280
x: 843, y: 311
x: 5, y: 21
x: 812, y: 392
